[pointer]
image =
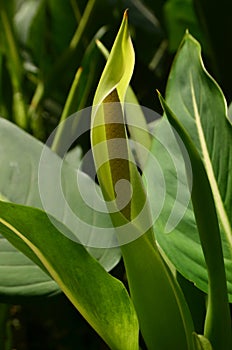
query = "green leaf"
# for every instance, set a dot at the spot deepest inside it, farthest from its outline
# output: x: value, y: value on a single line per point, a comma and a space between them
x: 68, y: 110
x: 230, y: 112
x: 218, y: 311
x: 14, y: 64
x: 202, y: 343
x: 99, y: 297
x: 152, y: 286
x: 73, y: 157
x: 175, y: 226
x: 200, y: 106
x: 24, y: 17
x: 20, y: 161
x: 206, y: 121
x: 20, y: 277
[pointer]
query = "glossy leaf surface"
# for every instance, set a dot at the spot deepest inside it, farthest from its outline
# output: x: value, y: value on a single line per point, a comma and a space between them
x: 190, y: 87
x: 217, y: 326
x: 20, y: 158
x: 99, y: 297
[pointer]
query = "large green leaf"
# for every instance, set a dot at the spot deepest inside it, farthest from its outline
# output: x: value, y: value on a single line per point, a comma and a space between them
x: 100, y: 298
x: 169, y: 195
x: 217, y: 322
x: 152, y: 286
x: 20, y: 158
x: 20, y: 277
x: 199, y: 104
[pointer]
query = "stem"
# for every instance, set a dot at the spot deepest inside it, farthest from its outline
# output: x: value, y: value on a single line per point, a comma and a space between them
x: 12, y: 47
x: 217, y: 322
x: 82, y: 24
x: 165, y: 321
x: 76, y: 10
x: 15, y: 70
x: 64, y: 58
x: 37, y: 97
x: 19, y: 109
x: 69, y: 52
x: 67, y: 111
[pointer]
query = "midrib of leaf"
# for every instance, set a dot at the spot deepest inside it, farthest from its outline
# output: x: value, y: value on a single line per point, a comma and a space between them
x: 47, y: 265
x: 208, y: 165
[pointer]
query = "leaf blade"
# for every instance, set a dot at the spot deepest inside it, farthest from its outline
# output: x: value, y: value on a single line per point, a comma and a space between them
x: 206, y: 218
x: 19, y: 183
x: 213, y: 121
x: 206, y: 123
x: 101, y: 299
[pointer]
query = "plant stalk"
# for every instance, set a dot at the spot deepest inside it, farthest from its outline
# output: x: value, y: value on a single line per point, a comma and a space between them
x: 15, y: 70
x: 67, y: 111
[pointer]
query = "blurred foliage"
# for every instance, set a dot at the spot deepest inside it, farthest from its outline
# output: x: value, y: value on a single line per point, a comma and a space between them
x: 44, y: 42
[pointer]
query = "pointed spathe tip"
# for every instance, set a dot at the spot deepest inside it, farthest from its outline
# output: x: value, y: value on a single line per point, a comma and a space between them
x: 125, y: 15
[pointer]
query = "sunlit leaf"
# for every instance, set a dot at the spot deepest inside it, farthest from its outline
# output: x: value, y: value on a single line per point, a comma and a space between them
x: 20, y: 159
x: 218, y: 311
x: 202, y: 343
x: 200, y: 106
x: 99, y: 297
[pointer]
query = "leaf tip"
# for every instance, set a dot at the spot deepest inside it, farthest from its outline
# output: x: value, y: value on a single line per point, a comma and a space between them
x: 187, y: 34
x: 160, y: 96
x: 158, y: 92
x: 125, y: 15
x: 98, y: 43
